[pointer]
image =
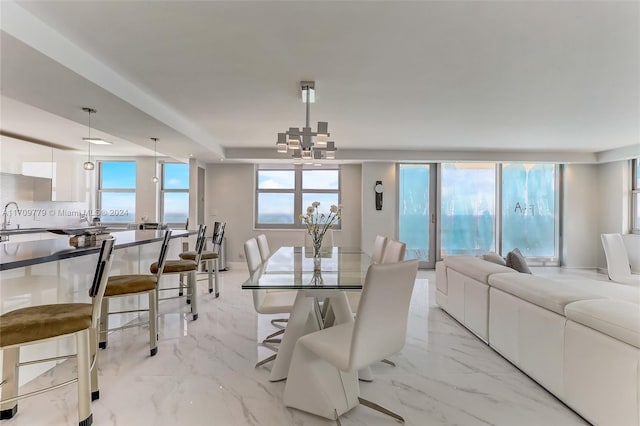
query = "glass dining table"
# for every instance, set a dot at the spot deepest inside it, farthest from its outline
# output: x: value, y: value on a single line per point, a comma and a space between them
x: 292, y: 268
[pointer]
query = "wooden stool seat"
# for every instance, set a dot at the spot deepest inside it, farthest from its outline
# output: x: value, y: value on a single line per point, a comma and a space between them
x: 43, y: 322
x: 173, y: 266
x: 130, y: 284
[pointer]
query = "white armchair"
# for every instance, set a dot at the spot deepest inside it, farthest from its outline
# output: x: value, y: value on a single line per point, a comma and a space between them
x: 618, y: 260
x: 323, y: 373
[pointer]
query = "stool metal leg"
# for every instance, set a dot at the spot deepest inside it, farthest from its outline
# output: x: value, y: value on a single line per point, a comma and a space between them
x: 153, y: 323
x: 9, y: 380
x: 103, y: 333
x: 84, y: 378
x: 210, y: 274
x: 216, y: 269
x: 93, y: 359
x: 193, y: 283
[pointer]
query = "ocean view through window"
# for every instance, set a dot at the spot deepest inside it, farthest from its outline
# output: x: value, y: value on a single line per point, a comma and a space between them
x: 282, y: 194
x: 117, y: 191
x: 174, y: 201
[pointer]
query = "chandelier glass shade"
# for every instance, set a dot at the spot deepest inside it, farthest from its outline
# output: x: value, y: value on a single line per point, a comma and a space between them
x: 305, y: 143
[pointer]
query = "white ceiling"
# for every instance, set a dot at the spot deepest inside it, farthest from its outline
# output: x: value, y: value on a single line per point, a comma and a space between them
x: 413, y: 76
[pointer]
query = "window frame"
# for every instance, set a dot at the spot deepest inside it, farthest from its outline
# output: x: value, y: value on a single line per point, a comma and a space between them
x: 164, y: 190
x: 635, y: 195
x: 100, y: 190
x: 297, y: 192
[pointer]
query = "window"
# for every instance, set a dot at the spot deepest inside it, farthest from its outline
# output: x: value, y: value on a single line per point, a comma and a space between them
x: 529, y: 209
x: 282, y: 194
x: 467, y: 209
x: 415, y: 210
x: 635, y: 196
x: 174, y: 199
x: 117, y: 191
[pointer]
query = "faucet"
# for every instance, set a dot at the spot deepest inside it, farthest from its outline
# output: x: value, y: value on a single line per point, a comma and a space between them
x: 85, y: 218
x: 5, y: 220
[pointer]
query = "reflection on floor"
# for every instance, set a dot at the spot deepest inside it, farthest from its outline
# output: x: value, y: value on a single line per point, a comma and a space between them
x: 204, y: 373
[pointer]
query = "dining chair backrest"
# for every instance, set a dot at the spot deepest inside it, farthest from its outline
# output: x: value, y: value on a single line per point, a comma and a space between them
x: 100, y: 278
x: 252, y: 255
x: 201, y: 241
x: 263, y: 245
x: 393, y: 251
x: 378, y: 249
x: 164, y: 249
x: 377, y: 336
x: 617, y: 258
x: 218, y: 235
x: 327, y: 240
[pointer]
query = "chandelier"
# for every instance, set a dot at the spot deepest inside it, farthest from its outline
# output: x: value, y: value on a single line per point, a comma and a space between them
x: 305, y: 143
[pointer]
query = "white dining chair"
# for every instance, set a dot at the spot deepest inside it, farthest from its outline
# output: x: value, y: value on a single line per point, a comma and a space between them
x: 394, y: 251
x: 327, y: 241
x: 263, y: 246
x: 266, y: 302
x: 618, y: 267
x: 376, y: 257
x: 322, y: 375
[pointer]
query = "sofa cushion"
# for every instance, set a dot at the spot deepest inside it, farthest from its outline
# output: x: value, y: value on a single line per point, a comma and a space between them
x: 474, y: 267
x: 605, y: 289
x: 615, y: 318
x: 543, y: 292
x: 494, y: 257
x: 516, y: 261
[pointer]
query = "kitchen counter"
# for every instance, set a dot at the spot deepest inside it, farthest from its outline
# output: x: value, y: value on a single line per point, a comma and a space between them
x: 17, y: 255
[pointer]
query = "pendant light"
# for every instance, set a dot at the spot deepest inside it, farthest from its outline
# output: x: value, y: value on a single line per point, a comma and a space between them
x: 88, y: 165
x: 155, y: 159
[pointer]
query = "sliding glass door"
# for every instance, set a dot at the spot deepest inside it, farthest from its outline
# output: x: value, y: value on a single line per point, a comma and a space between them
x: 416, y: 214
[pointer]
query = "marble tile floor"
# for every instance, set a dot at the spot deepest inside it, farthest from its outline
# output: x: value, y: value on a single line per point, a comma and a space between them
x: 204, y: 373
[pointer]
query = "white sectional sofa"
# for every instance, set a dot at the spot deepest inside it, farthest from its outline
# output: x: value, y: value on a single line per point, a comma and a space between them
x: 580, y: 339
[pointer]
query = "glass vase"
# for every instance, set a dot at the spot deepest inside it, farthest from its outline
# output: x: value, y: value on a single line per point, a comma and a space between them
x: 317, y: 264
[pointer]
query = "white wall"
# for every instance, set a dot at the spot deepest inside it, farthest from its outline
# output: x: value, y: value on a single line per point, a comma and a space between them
x: 230, y: 198
x: 374, y: 221
x: 581, y: 216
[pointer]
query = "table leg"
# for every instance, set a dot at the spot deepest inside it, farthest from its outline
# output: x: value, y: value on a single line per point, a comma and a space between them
x: 301, y: 321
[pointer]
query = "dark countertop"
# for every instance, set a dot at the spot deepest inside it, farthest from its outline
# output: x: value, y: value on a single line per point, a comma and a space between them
x: 18, y: 255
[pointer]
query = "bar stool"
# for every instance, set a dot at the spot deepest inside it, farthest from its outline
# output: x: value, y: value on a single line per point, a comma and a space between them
x: 134, y: 285
x: 36, y: 324
x: 182, y: 267
x: 210, y: 257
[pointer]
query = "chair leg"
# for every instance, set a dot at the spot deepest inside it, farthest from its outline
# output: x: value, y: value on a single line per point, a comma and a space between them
x: 93, y: 359
x: 153, y: 324
x: 10, y: 358
x: 216, y: 269
x: 391, y: 363
x: 193, y: 283
x: 210, y: 274
x: 380, y: 408
x: 266, y: 360
x: 85, y: 417
x: 180, y: 285
x: 104, y: 324
x: 277, y: 333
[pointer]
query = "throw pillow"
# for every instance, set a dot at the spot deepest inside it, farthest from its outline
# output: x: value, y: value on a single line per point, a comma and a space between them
x: 516, y: 261
x: 494, y: 258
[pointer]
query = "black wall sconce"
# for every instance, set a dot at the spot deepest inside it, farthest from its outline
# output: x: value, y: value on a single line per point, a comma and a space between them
x: 378, y: 188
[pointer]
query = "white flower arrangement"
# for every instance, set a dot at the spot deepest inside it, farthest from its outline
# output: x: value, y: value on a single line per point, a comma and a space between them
x: 318, y: 223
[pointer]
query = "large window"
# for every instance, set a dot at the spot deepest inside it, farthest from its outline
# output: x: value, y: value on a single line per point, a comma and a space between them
x: 414, y: 214
x: 117, y: 191
x: 529, y: 209
x: 282, y: 194
x: 174, y: 200
x: 467, y: 209
x: 635, y: 196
